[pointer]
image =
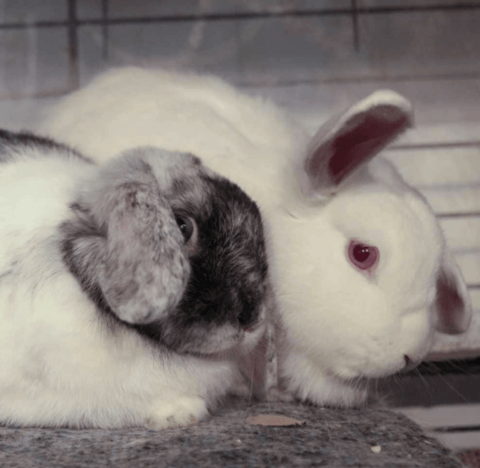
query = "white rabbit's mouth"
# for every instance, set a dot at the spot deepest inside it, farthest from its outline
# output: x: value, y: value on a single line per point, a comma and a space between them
x: 364, y: 382
x: 361, y: 375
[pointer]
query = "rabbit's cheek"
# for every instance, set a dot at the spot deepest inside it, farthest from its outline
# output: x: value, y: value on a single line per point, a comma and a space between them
x: 382, y: 354
x: 310, y: 382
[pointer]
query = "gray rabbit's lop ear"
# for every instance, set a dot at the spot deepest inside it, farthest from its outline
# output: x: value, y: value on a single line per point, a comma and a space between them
x: 145, y: 267
x: 348, y: 141
x: 452, y: 304
x: 123, y: 243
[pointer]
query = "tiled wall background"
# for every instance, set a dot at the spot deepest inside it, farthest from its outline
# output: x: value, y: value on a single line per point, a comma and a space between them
x: 312, y: 56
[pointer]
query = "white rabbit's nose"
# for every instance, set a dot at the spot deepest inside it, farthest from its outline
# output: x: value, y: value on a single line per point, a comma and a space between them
x: 409, y: 363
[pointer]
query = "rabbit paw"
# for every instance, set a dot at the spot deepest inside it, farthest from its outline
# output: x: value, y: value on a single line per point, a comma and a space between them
x: 278, y: 394
x: 183, y: 411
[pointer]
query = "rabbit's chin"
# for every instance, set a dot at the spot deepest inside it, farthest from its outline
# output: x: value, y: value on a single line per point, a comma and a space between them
x: 225, y: 344
x: 308, y: 382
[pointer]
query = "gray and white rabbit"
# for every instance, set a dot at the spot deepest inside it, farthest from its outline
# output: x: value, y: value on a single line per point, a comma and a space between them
x: 361, y: 272
x: 128, y: 291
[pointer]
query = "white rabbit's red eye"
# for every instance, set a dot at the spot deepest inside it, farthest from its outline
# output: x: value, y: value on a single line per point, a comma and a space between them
x: 362, y: 256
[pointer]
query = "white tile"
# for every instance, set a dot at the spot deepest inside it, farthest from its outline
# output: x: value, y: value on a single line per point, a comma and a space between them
x: 181, y: 45
x: 475, y: 297
x: 466, y: 345
x: 22, y: 114
x: 127, y: 8
x: 280, y: 50
x: 459, y: 440
x: 90, y: 46
x: 444, y: 415
x: 27, y: 11
x: 33, y: 61
x: 445, y: 133
x: 410, y: 3
x: 469, y: 263
x: 453, y: 199
x: 90, y: 9
x: 255, y: 51
x: 420, y: 43
x: 452, y: 416
x: 313, y: 4
x: 445, y: 110
x: 433, y: 167
x: 462, y: 233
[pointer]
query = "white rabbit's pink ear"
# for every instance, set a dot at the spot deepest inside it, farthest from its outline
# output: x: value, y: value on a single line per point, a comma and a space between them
x: 452, y: 303
x: 348, y: 141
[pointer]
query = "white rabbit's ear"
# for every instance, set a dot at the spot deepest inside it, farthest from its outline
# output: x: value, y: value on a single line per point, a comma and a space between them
x: 145, y: 268
x: 452, y: 304
x: 348, y: 141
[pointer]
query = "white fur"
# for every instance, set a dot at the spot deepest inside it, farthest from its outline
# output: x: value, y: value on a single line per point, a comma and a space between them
x: 339, y: 325
x: 58, y: 364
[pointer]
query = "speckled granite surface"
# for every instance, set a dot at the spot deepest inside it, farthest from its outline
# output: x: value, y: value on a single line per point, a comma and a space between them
x: 331, y: 438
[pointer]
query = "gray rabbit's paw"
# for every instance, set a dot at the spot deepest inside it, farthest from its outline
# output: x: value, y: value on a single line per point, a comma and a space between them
x: 183, y: 411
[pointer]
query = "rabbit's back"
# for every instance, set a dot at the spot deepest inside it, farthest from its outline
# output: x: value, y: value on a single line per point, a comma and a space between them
x: 34, y: 187
x: 244, y: 138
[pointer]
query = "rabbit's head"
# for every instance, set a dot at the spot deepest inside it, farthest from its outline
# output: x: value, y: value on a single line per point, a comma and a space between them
x: 359, y: 262
x: 164, y: 245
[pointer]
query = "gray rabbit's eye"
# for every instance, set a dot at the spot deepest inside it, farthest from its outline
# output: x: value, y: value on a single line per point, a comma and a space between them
x: 186, y: 227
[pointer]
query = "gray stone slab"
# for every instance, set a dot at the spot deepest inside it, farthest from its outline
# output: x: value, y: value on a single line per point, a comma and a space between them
x: 337, y: 438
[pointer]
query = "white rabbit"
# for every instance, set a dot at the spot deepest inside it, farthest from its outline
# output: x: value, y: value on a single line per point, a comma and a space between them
x: 361, y: 273
x: 128, y: 292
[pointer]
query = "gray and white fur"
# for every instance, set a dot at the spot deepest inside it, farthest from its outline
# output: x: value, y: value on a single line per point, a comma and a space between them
x: 127, y: 292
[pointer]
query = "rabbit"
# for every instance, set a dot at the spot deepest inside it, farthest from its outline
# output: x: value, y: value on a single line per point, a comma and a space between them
x: 361, y: 274
x: 128, y: 292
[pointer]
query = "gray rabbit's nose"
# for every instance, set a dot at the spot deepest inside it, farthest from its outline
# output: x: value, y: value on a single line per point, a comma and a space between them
x: 245, y: 318
x: 245, y: 310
